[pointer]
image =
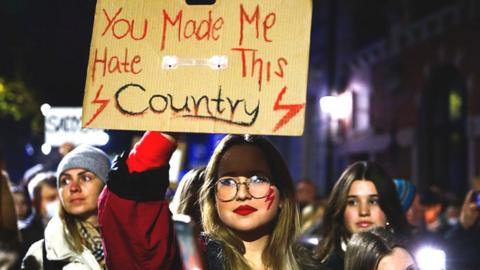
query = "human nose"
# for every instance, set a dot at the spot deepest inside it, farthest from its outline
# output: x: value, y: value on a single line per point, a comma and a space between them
x: 242, y: 192
x: 364, y: 209
x: 75, y: 186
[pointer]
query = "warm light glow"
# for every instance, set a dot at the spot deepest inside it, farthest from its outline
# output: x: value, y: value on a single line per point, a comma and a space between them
x: 327, y: 104
x: 430, y: 258
x: 103, y: 138
x: 45, y: 108
x: 338, y: 107
x: 2, y: 87
x: 46, y: 149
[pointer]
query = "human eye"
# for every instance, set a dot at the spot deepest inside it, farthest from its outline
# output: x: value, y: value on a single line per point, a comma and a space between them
x: 65, y: 181
x: 86, y: 177
x: 352, y: 202
x: 258, y: 179
x: 227, y: 181
x: 374, y: 201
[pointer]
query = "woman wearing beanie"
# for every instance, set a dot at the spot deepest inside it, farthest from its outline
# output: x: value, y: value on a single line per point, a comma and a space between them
x: 72, y: 239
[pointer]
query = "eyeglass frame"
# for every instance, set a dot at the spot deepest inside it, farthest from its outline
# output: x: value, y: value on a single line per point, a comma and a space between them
x: 246, y: 183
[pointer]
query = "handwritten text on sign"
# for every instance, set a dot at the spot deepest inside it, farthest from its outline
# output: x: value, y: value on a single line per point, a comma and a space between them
x: 261, y: 90
x: 64, y: 125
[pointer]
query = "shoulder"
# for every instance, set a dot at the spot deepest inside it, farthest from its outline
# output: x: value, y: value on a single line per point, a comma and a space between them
x: 34, y: 257
x: 213, y: 252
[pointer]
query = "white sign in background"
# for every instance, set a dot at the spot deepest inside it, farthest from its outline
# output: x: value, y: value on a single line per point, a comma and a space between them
x: 65, y: 125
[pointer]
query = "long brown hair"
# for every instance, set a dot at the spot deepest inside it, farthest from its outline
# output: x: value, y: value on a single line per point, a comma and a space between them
x: 334, y: 229
x: 278, y: 254
x: 185, y: 201
x: 70, y: 221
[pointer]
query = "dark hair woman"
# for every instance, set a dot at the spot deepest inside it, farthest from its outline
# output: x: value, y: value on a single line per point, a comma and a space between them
x: 363, y: 197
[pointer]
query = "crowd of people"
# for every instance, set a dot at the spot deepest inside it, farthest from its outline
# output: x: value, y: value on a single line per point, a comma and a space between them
x: 244, y: 208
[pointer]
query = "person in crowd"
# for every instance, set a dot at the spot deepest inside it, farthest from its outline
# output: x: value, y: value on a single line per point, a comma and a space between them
x: 464, y: 238
x: 30, y: 225
x: 305, y: 192
x: 416, y: 214
x: 451, y: 216
x: 364, y: 197
x: 21, y: 201
x: 411, y: 206
x: 8, y: 217
x: 185, y: 201
x: 434, y: 207
x: 247, y: 200
x: 43, y: 192
x: 249, y: 207
x: 406, y: 192
x: 72, y: 238
x: 9, y: 235
x: 377, y: 249
x: 311, y: 209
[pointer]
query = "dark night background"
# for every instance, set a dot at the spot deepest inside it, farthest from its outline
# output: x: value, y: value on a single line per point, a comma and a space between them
x: 44, y: 45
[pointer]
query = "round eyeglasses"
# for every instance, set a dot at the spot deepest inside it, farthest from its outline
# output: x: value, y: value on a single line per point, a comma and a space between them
x: 226, y: 188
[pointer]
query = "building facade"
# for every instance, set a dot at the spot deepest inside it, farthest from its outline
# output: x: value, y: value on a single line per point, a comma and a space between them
x: 413, y: 100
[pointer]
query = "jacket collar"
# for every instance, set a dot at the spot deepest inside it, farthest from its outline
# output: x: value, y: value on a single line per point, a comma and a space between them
x: 56, y: 242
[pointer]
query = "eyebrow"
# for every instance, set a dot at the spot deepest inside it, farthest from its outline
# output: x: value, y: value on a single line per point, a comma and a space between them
x: 80, y: 173
x: 250, y: 173
x: 85, y: 172
x: 369, y: 195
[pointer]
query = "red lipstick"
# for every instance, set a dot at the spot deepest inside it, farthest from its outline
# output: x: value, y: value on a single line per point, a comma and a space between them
x: 244, y: 210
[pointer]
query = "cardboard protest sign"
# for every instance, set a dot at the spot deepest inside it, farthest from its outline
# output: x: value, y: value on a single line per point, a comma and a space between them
x: 231, y: 67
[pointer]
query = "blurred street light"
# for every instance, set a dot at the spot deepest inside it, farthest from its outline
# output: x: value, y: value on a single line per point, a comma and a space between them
x: 46, y: 149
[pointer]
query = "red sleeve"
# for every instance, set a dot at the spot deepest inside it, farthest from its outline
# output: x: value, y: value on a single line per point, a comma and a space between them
x: 152, y: 151
x: 139, y: 234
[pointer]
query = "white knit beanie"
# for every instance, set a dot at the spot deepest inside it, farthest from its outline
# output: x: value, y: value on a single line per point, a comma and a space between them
x: 85, y: 157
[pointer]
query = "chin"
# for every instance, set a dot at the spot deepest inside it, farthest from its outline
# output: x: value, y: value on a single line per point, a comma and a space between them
x: 241, y: 226
x: 78, y: 211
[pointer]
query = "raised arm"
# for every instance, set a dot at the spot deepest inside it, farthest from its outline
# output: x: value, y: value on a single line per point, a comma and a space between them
x: 134, y: 218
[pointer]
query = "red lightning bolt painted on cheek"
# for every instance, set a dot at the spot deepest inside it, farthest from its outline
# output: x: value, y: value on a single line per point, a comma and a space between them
x: 270, y: 198
x: 103, y: 103
x: 292, y: 109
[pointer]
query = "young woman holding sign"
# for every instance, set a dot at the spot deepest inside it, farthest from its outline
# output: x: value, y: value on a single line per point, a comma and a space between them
x: 247, y: 199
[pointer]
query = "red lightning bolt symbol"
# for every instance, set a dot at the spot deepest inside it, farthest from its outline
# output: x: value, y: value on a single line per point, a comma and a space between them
x: 103, y: 103
x: 292, y: 109
x: 270, y: 197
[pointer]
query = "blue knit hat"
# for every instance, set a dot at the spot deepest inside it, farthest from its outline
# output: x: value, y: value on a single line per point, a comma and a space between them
x: 406, y: 192
x: 85, y: 157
